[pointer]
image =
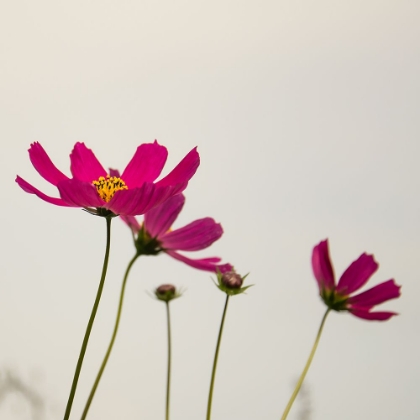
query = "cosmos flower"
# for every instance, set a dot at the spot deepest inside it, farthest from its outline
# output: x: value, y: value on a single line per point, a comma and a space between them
x: 340, y: 296
x: 92, y: 188
x: 155, y: 235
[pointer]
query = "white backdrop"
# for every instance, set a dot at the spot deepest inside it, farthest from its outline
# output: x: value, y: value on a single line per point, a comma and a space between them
x: 305, y: 115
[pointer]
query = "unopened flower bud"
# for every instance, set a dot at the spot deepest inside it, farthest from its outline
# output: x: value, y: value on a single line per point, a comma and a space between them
x: 166, y: 292
x: 232, y: 280
x: 231, y: 283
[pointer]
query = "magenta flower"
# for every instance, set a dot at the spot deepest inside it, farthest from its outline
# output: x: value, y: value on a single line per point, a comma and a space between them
x: 338, y: 297
x: 154, y: 235
x: 92, y: 188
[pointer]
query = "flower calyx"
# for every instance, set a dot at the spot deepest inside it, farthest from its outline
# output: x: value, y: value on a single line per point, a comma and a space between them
x: 145, y: 244
x: 334, y: 300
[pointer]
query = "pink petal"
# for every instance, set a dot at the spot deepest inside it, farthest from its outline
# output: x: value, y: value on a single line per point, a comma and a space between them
x: 197, y: 235
x: 206, y: 264
x: 114, y: 172
x: 321, y: 266
x: 378, y: 294
x: 32, y: 190
x: 42, y: 163
x: 372, y: 316
x: 158, y: 220
x: 132, y: 223
x: 183, y: 172
x: 80, y: 194
x: 137, y: 200
x: 146, y: 164
x: 357, y: 274
x: 84, y: 164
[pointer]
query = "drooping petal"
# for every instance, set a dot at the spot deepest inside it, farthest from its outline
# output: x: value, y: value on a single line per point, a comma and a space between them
x: 132, y: 223
x: 84, y: 164
x: 378, y: 294
x: 32, y: 190
x: 183, y: 172
x: 43, y: 164
x: 79, y: 193
x: 158, y: 220
x: 197, y: 235
x: 357, y: 274
x: 372, y: 316
x: 321, y: 266
x: 206, y: 264
x: 146, y: 164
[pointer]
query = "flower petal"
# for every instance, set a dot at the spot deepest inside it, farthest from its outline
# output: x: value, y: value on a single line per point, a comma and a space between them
x: 321, y: 266
x: 158, y: 220
x: 32, y: 190
x: 132, y: 223
x: 114, y: 172
x: 378, y: 294
x: 137, y: 201
x: 195, y: 236
x: 357, y: 274
x: 84, y: 164
x: 79, y: 193
x: 372, y: 316
x: 43, y: 164
x: 146, y: 164
x: 183, y: 172
x: 206, y: 264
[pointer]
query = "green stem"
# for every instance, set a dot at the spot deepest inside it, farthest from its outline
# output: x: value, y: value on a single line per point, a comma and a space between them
x: 305, y: 370
x: 111, y: 344
x: 168, y: 383
x: 91, y: 320
x: 216, y: 356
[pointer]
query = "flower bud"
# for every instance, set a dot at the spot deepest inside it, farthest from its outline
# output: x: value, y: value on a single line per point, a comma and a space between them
x: 232, y: 280
x: 166, y: 292
x: 231, y: 283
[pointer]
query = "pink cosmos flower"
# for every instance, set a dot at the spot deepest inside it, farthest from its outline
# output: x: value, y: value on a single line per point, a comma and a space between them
x: 154, y: 235
x: 92, y: 188
x: 338, y: 296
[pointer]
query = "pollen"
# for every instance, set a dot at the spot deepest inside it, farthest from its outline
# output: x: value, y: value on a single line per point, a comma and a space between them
x: 108, y: 186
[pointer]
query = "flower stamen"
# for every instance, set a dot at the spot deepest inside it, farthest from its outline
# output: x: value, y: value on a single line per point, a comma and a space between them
x: 108, y: 186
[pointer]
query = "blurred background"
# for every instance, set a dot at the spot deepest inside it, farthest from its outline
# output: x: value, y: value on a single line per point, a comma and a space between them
x: 306, y: 117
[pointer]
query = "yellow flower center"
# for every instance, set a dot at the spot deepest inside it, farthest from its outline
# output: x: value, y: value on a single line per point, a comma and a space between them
x: 108, y: 186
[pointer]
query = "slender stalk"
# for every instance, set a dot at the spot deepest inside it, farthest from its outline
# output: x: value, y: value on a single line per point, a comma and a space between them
x: 306, y: 368
x: 168, y: 383
x: 111, y: 344
x: 91, y: 320
x: 216, y: 356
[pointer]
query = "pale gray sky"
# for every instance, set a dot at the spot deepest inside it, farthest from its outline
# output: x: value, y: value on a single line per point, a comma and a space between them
x: 305, y: 115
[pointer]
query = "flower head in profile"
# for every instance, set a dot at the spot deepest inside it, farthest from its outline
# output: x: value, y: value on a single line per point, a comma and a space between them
x: 94, y: 189
x: 154, y: 235
x: 340, y: 296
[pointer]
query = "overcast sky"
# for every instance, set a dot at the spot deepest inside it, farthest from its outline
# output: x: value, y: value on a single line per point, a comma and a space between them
x: 306, y: 118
